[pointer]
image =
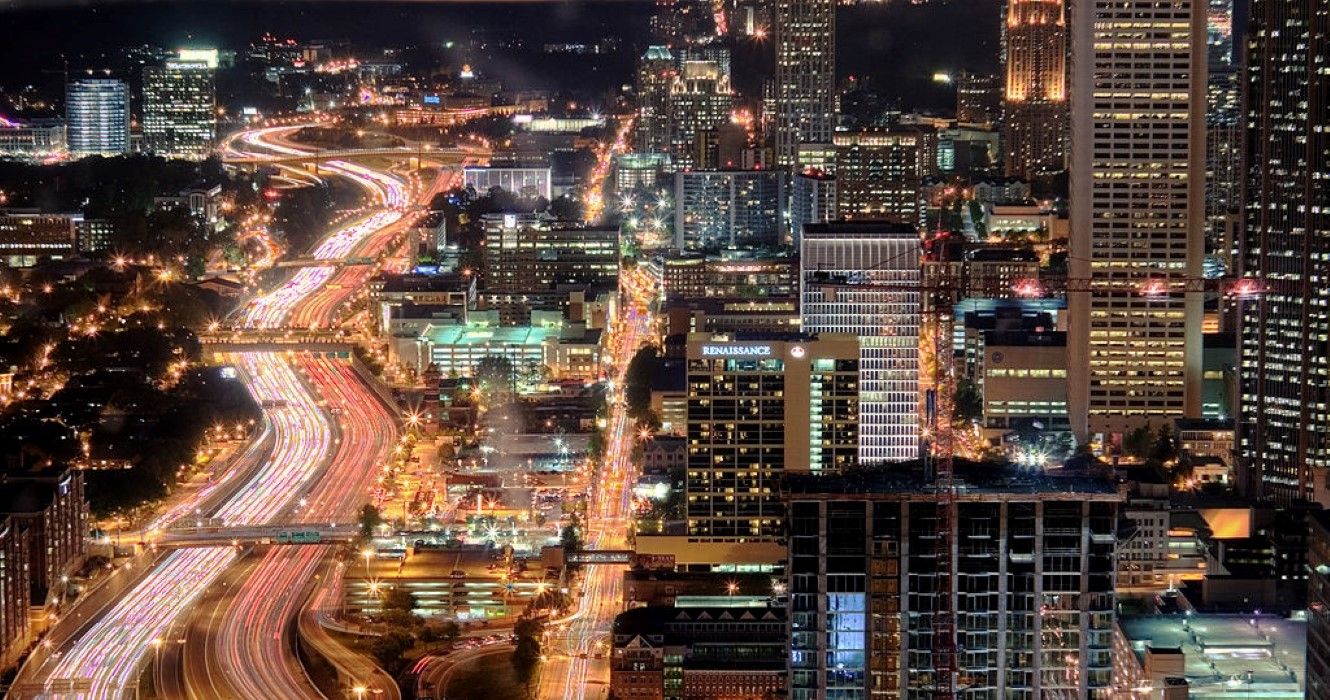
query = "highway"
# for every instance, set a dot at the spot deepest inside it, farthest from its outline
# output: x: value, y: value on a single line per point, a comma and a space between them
x: 103, y: 659
x: 572, y: 670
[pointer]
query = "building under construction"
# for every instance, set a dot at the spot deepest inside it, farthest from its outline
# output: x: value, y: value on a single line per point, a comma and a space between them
x: 1029, y: 575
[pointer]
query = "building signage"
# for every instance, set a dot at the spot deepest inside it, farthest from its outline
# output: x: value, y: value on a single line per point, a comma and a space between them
x: 736, y: 351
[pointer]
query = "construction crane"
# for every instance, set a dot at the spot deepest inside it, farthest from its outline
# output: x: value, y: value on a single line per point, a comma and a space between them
x: 940, y: 290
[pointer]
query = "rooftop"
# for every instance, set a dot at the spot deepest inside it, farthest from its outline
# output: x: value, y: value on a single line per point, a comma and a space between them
x: 486, y: 335
x: 1228, y: 655
x: 972, y: 477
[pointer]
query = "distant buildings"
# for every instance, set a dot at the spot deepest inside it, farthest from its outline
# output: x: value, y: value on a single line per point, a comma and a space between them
x: 523, y: 182
x: 27, y: 236
x: 1030, y: 581
x: 805, y: 82
x: 728, y: 209
x: 1285, y: 414
x: 879, y: 174
x: 812, y: 201
x: 701, y: 102
x: 1034, y: 105
x: 34, y: 140
x: 180, y: 106
x: 729, y: 277
x: 863, y: 278
x: 978, y: 98
x: 1137, y: 183
x: 744, y: 393
x: 97, y: 117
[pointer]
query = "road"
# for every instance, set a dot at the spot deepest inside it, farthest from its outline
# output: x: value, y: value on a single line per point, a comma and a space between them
x: 572, y: 670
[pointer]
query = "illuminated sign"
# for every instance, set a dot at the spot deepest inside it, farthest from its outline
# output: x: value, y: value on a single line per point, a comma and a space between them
x: 431, y: 99
x: 797, y: 352
x: 736, y: 351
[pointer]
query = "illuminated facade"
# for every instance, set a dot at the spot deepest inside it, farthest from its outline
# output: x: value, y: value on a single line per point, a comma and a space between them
x: 1223, y: 140
x: 728, y: 209
x: 653, y: 83
x: 1137, y: 181
x: 1035, y: 96
x: 700, y: 103
x: 1285, y: 356
x: 805, y: 82
x: 761, y: 407
x: 862, y: 278
x: 180, y: 106
x: 1031, y: 581
x: 878, y: 175
x: 97, y: 117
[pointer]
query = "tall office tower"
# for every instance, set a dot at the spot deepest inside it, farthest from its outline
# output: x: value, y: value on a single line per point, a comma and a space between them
x: 180, y: 105
x: 1285, y: 398
x: 978, y: 98
x: 805, y: 81
x: 761, y: 407
x: 712, y: 50
x: 728, y: 209
x: 1137, y: 185
x: 812, y: 201
x: 1223, y: 139
x: 863, y: 278
x: 700, y: 102
x: 1034, y: 105
x: 653, y: 83
x: 97, y: 117
x: 878, y: 174
x: 1031, y: 577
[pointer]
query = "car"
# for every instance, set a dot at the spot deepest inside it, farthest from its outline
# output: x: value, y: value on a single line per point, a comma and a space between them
x: 457, y: 573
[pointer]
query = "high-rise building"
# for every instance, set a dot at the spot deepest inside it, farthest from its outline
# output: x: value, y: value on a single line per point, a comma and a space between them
x: 805, y: 81
x: 1137, y: 185
x: 1034, y: 106
x: 528, y: 254
x: 180, y: 105
x: 761, y: 407
x: 700, y: 102
x: 728, y: 209
x: 15, y: 586
x: 1030, y: 576
x: 863, y: 278
x: 1285, y: 398
x: 1223, y: 135
x: 97, y: 117
x: 978, y: 98
x: 812, y: 201
x: 878, y: 174
x: 653, y: 82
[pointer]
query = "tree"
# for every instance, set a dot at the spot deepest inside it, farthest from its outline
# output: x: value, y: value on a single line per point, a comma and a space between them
x: 571, y: 536
x: 497, y: 374
x: 1139, y: 442
x: 637, y: 381
x: 389, y: 647
x: 526, y: 656
x: 369, y: 519
x: 399, y: 598
x: 969, y: 403
x: 1165, y: 448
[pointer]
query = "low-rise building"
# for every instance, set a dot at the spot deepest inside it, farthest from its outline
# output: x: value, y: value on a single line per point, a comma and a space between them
x: 26, y: 236
x: 1024, y: 382
x: 1210, y: 656
x: 730, y: 277
x: 36, y: 140
x: 662, y: 653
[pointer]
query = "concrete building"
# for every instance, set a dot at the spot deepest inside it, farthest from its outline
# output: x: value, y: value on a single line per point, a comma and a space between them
x: 51, y: 509
x: 812, y: 201
x: 97, y: 117
x: 863, y: 278
x: 180, y: 106
x: 1223, y: 134
x: 1031, y: 582
x: 879, y: 175
x: 1137, y: 179
x: 1024, y: 383
x: 1318, y: 608
x: 35, y: 140
x: 1163, y: 657
x: 727, y: 209
x: 26, y: 236
x: 730, y: 277
x: 978, y: 98
x: 672, y: 653
x: 527, y: 254
x: 1284, y: 436
x: 805, y: 82
x: 1034, y: 106
x: 15, y: 588
x: 743, y: 392
x: 524, y: 182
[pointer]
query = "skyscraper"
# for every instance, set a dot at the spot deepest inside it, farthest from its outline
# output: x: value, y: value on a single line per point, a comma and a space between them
x: 180, y: 105
x: 653, y: 83
x: 1223, y: 143
x: 97, y: 117
x: 700, y: 102
x: 1034, y: 102
x: 1285, y: 357
x: 805, y: 83
x: 863, y: 278
x: 1137, y: 184
x: 878, y: 174
x: 744, y: 391
x: 812, y: 201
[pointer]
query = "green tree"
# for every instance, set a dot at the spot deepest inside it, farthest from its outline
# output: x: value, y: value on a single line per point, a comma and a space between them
x: 369, y: 519
x: 637, y: 381
x: 969, y: 404
x: 496, y: 373
x: 389, y: 647
x: 526, y: 655
x: 399, y: 598
x: 1139, y: 442
x: 1165, y: 448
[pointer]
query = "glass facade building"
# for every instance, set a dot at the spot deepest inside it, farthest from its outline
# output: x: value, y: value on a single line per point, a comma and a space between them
x: 180, y: 108
x: 97, y: 117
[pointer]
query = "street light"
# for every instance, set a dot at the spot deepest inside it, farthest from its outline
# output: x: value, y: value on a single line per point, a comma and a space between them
x: 359, y: 691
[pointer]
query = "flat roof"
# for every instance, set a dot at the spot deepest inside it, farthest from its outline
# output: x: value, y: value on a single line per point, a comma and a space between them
x: 1228, y: 655
x: 486, y: 335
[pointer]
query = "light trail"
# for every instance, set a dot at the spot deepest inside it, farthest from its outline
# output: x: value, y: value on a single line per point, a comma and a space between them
x: 111, y: 653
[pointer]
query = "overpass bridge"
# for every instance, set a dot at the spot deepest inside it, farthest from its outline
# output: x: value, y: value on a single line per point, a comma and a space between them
x: 323, y: 262
x: 601, y: 556
x: 322, y: 155
x: 291, y: 534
